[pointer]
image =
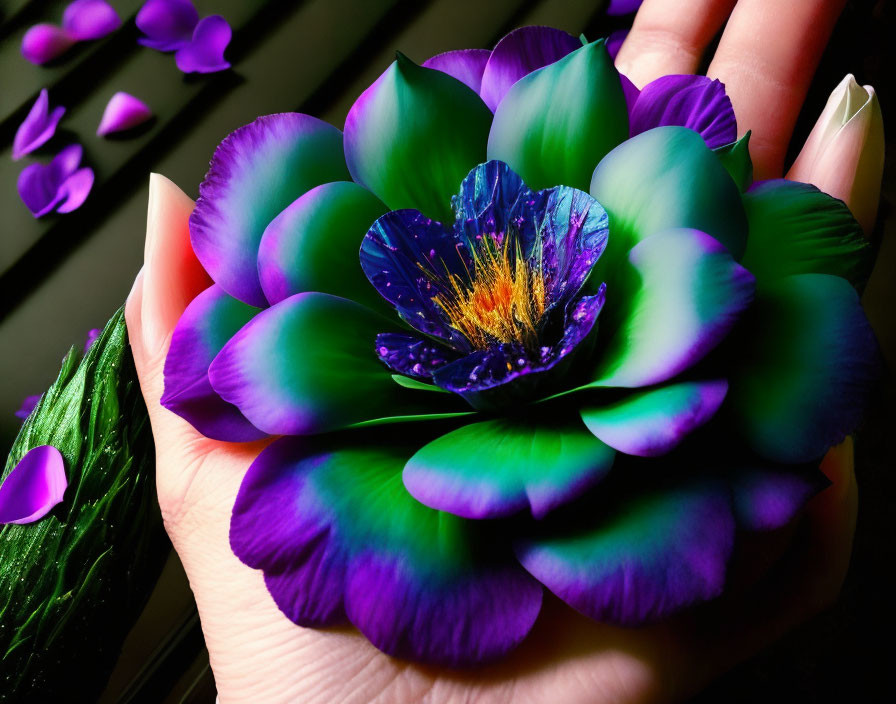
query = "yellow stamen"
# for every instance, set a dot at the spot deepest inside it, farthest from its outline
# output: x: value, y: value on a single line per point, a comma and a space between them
x: 503, y: 302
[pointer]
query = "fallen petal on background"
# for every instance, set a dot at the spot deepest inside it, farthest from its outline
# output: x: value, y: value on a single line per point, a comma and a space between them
x: 90, y: 19
x: 167, y: 24
x: 38, y: 127
x: 75, y: 189
x: 44, y: 42
x: 43, y: 187
x: 205, y: 53
x: 34, y: 486
x: 123, y: 112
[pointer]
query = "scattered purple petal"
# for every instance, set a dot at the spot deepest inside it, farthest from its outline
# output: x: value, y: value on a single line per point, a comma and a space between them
x: 34, y: 486
x: 167, y: 24
x: 123, y: 112
x: 29, y: 403
x: 205, y: 53
x: 38, y: 127
x: 90, y: 19
x: 59, y: 185
x: 44, y: 42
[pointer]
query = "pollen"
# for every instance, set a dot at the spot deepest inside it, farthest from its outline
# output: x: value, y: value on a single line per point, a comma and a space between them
x: 502, y: 300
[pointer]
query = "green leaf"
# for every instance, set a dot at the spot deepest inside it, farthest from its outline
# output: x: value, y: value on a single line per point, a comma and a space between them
x: 735, y: 157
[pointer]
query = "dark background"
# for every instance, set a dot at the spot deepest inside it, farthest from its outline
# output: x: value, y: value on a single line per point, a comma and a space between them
x: 61, y: 275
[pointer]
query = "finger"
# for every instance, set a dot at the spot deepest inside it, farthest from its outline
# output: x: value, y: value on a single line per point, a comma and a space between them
x: 173, y: 275
x: 666, y: 38
x: 766, y: 59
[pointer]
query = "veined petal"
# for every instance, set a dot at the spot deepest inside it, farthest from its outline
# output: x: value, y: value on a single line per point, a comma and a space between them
x: 653, y: 422
x: 520, y: 53
x: 44, y: 42
x: 466, y: 65
x: 205, y: 52
x: 808, y: 364
x: 210, y: 320
x: 337, y: 535
x: 797, y: 229
x: 34, y: 486
x: 413, y: 135
x: 167, y: 24
x: 90, y: 19
x: 555, y: 124
x: 38, y: 127
x: 308, y: 365
x: 313, y: 244
x: 497, y: 468
x: 255, y: 173
x: 123, y: 112
x: 684, y: 294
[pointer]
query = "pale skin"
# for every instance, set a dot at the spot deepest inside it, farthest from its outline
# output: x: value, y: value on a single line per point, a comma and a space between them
x: 766, y: 57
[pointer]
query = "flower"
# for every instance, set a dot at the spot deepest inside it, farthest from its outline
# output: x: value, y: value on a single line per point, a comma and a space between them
x: 520, y: 327
x: 82, y: 20
x: 38, y: 127
x: 33, y: 487
x: 174, y: 25
x: 123, y: 112
x: 844, y: 154
x: 60, y: 185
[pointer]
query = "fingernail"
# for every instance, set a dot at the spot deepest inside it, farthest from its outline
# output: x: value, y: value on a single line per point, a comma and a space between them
x: 844, y: 154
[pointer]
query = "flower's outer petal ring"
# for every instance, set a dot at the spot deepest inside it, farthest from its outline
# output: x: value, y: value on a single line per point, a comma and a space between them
x: 466, y: 65
x: 337, y: 535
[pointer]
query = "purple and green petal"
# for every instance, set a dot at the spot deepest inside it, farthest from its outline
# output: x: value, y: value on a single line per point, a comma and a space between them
x: 683, y: 296
x: 123, y: 112
x: 809, y: 363
x: 205, y: 52
x: 34, y: 486
x: 497, y: 468
x: 767, y: 498
x: 313, y: 244
x: 90, y: 19
x: 653, y: 422
x: 797, y: 229
x: 255, y: 173
x: 556, y: 124
x: 38, y: 127
x: 413, y: 136
x: 210, y: 320
x: 696, y: 102
x: 518, y: 54
x: 667, y: 178
x: 167, y: 24
x: 643, y: 558
x: 308, y: 365
x: 466, y: 65
x: 44, y: 42
x: 338, y: 536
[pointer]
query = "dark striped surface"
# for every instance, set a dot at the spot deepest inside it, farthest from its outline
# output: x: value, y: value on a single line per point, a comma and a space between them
x: 61, y: 275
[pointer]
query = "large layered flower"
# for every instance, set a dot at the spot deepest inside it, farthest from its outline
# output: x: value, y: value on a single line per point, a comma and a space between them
x: 521, y: 327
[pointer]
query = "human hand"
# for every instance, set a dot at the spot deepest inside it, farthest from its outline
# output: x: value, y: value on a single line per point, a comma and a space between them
x: 258, y: 655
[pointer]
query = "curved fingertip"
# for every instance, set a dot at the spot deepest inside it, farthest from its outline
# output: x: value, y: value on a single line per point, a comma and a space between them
x: 132, y: 306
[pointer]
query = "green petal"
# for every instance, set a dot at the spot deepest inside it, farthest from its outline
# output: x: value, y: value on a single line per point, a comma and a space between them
x: 735, y: 157
x: 555, y: 124
x: 498, y: 467
x: 797, y: 229
x: 413, y: 136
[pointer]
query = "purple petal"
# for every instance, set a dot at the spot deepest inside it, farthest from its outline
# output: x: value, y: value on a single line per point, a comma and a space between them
x: 205, y: 53
x: 623, y: 7
x: 38, y: 127
x: 769, y: 498
x: 92, y: 336
x: 90, y: 19
x: 518, y: 54
x: 75, y: 189
x: 412, y: 355
x: 466, y: 65
x: 210, y: 320
x: 696, y: 102
x: 631, y: 92
x: 43, y: 187
x: 44, y: 42
x: 167, y: 24
x: 123, y: 112
x: 29, y: 403
x: 34, y: 486
x: 614, y: 42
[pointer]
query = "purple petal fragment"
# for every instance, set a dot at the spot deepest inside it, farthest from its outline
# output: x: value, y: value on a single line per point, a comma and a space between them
x: 92, y: 336
x: 466, y: 65
x: 123, y: 112
x: 90, y: 19
x: 768, y: 499
x: 38, y: 127
x: 623, y: 7
x: 695, y: 102
x: 205, y: 53
x: 29, y: 403
x: 614, y: 42
x: 520, y: 53
x: 34, y: 486
x: 59, y: 185
x: 44, y: 42
x: 74, y: 190
x: 167, y: 24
